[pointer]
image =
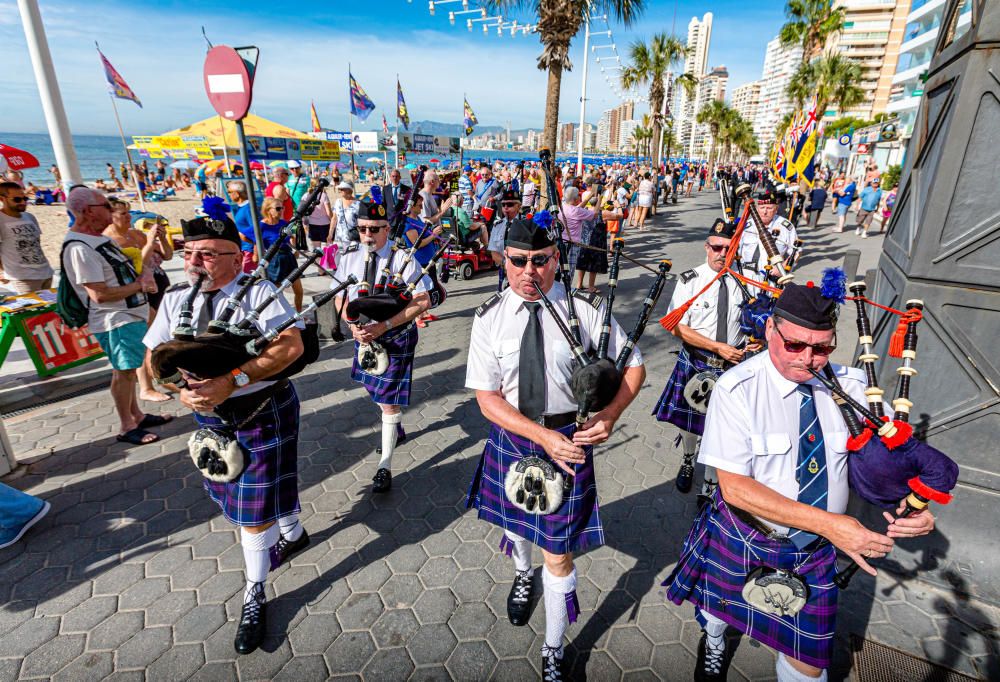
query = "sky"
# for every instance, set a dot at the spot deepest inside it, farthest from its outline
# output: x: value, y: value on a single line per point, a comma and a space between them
x: 304, y: 55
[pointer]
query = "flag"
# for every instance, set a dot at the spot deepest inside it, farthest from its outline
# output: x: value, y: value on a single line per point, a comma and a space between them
x: 315, y: 118
x: 470, y: 118
x: 803, y: 158
x: 402, y: 113
x: 385, y: 125
x: 361, y: 103
x: 116, y: 84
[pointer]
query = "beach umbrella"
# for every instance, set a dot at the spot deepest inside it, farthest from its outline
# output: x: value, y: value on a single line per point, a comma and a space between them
x: 256, y: 165
x: 278, y: 164
x: 213, y: 166
x: 184, y: 164
x: 435, y: 160
x: 17, y: 159
x: 373, y: 159
x: 410, y: 166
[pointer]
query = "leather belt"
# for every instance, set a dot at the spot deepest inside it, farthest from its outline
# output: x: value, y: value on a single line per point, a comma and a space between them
x: 758, y: 525
x: 709, y: 358
x: 557, y: 421
x: 244, y: 404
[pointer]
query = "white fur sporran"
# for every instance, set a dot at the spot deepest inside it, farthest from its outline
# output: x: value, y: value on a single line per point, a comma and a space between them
x: 218, y: 456
x: 373, y: 358
x: 698, y: 391
x: 780, y: 593
x: 534, y: 486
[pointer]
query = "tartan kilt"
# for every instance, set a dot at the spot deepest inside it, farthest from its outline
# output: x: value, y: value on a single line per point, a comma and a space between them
x: 672, y: 406
x: 712, y: 570
x: 269, y: 488
x: 393, y: 386
x: 576, y: 525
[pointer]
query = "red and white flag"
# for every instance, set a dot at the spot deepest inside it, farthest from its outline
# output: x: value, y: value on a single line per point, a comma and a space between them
x: 385, y: 125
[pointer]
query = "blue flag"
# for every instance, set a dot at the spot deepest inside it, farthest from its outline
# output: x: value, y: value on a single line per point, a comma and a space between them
x: 361, y: 103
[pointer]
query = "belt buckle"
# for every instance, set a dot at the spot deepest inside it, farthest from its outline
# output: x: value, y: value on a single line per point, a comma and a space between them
x: 716, y: 363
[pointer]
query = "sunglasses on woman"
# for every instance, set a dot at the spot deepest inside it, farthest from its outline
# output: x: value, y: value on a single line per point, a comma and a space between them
x: 799, y: 346
x: 538, y: 260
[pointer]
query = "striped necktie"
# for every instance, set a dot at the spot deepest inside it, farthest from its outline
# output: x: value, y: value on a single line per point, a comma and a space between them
x: 810, y: 471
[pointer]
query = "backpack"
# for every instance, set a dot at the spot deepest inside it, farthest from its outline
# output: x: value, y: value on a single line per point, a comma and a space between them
x: 74, y: 312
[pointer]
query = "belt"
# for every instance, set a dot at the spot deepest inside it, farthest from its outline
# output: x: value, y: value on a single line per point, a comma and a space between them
x: 556, y: 421
x: 709, y: 358
x: 758, y: 525
x: 245, y: 404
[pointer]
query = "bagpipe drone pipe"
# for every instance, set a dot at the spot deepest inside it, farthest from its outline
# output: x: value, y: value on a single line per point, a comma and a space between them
x: 775, y: 265
x: 886, y: 464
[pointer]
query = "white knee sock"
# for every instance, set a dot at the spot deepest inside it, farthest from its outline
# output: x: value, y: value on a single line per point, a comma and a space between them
x: 556, y: 615
x: 389, y: 422
x: 256, y: 557
x: 786, y: 673
x: 689, y: 441
x: 290, y: 527
x: 715, y: 628
x: 520, y: 551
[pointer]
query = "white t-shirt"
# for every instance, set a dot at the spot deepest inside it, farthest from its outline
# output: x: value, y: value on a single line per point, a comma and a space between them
x: 84, y: 265
x: 21, y: 248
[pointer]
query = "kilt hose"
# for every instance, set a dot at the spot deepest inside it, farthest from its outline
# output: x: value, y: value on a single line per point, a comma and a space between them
x: 574, y: 526
x: 719, y: 553
x: 392, y: 387
x: 269, y: 488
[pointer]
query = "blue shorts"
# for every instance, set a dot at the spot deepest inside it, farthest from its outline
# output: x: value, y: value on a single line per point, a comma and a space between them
x: 843, y: 208
x: 123, y: 345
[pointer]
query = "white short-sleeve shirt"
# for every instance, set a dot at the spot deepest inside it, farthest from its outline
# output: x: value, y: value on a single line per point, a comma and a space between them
x: 351, y: 261
x: 752, y: 253
x: 495, y: 347
x: 752, y: 428
x: 703, y: 315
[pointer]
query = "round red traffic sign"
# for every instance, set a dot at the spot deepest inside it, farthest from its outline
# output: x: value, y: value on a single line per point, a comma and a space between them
x: 227, y: 82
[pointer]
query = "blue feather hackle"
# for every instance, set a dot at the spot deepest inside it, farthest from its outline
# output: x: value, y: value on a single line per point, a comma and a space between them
x: 215, y: 208
x: 543, y: 219
x: 834, y: 285
x: 376, y: 194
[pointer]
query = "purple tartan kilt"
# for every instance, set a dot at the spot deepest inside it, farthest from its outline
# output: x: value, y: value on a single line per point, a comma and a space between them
x: 712, y: 570
x: 393, y: 386
x: 269, y: 488
x: 576, y: 525
x: 672, y: 406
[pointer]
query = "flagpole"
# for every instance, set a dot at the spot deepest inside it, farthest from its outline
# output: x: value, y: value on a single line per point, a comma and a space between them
x: 350, y: 123
x: 397, y: 120
x: 128, y: 155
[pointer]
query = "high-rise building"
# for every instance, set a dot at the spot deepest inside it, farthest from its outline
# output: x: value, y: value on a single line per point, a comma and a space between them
x: 695, y: 63
x: 746, y: 100
x: 919, y: 39
x: 712, y: 86
x: 566, y: 139
x: 603, y: 142
x: 779, y: 65
x: 623, y: 112
x: 872, y: 34
x: 625, y: 130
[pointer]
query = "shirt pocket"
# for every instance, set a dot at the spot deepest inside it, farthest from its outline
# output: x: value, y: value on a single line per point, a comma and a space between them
x: 508, y: 353
x: 771, y: 456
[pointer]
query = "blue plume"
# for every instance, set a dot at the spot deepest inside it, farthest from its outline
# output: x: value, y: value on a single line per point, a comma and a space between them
x: 376, y: 194
x: 834, y: 285
x: 543, y: 219
x: 215, y: 208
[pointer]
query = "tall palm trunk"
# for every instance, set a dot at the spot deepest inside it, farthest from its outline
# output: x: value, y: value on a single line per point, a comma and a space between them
x: 551, y: 127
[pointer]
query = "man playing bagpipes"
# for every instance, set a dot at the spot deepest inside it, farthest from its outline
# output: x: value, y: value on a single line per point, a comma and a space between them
x: 761, y: 557
x: 712, y: 343
x: 536, y: 475
x: 262, y: 414
x: 753, y: 257
x: 384, y: 348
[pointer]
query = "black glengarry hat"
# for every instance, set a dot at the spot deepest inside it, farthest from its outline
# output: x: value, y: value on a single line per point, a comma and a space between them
x: 371, y: 207
x: 766, y: 194
x: 813, y: 307
x: 510, y: 195
x: 526, y: 234
x: 204, y: 227
x: 723, y: 229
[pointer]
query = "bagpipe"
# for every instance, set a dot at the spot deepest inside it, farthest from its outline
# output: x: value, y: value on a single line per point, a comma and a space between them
x: 775, y: 265
x: 596, y: 378
x: 895, y: 465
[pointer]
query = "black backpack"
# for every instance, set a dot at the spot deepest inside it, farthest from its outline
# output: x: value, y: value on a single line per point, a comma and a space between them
x: 74, y: 312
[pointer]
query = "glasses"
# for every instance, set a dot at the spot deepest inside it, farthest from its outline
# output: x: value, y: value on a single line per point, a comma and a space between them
x: 368, y: 228
x: 510, y: 204
x: 715, y: 248
x: 799, y: 346
x: 18, y: 199
x: 538, y: 260
x: 207, y: 255
x: 104, y: 205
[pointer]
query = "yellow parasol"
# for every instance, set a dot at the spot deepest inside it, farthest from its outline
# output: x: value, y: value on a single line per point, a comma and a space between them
x: 221, y: 132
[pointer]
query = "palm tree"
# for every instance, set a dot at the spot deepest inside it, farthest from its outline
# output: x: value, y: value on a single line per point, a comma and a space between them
x: 649, y: 64
x: 669, y: 139
x: 717, y: 115
x: 740, y: 135
x: 558, y: 23
x: 832, y: 79
x: 810, y: 23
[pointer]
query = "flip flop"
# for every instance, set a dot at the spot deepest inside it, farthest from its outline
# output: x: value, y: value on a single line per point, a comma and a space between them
x: 152, y: 420
x: 136, y: 436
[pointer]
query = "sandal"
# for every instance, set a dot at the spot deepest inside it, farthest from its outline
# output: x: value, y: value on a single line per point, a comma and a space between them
x: 137, y: 436
x: 152, y: 420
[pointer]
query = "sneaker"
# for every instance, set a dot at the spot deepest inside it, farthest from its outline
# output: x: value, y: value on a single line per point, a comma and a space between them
x: 864, y: 235
x: 552, y: 660
x: 253, y: 622
x: 382, y: 481
x: 8, y: 536
x: 857, y: 232
x: 284, y: 549
x: 713, y: 664
x: 685, y: 475
x: 519, y: 599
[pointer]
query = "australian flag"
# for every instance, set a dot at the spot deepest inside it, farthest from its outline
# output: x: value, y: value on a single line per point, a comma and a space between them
x: 361, y: 103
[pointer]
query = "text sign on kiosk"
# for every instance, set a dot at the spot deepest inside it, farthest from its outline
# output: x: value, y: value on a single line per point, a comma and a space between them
x: 228, y: 82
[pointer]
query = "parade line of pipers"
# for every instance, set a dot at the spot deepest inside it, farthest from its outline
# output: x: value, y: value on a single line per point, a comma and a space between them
x: 783, y: 432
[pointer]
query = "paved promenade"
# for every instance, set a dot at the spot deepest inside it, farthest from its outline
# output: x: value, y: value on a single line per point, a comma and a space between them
x: 134, y: 575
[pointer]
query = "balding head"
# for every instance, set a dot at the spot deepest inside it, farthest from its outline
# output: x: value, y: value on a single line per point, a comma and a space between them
x: 91, y: 210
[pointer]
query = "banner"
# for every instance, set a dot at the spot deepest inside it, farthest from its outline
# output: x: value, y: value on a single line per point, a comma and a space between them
x: 116, y: 84
x: 402, y: 113
x: 364, y: 142
x: 470, y: 118
x: 314, y: 117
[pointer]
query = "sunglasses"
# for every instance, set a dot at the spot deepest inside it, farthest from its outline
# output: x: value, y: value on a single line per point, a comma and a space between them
x: 799, y: 346
x: 538, y: 260
x: 17, y: 199
x: 206, y: 254
x: 104, y: 205
x: 372, y: 230
x: 715, y: 248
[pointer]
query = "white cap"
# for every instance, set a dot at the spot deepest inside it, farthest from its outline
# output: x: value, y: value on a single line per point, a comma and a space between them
x: 346, y: 184
x: 294, y: 164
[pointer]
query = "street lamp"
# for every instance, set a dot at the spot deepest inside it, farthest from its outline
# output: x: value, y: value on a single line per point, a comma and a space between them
x: 431, y: 4
x: 470, y: 22
x: 452, y: 15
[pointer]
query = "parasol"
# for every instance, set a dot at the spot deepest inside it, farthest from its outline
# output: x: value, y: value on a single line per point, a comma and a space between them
x: 17, y: 159
x: 373, y: 159
x: 278, y: 164
x: 410, y: 166
x: 184, y: 164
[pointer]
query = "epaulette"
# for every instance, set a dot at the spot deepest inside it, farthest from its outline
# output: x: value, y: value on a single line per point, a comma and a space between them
x: 593, y: 298
x: 178, y: 287
x: 487, y: 304
x: 688, y: 275
x: 848, y: 372
x: 735, y: 376
x: 352, y: 247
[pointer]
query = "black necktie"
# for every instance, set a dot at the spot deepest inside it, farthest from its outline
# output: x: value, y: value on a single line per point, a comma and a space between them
x: 531, y: 370
x: 395, y: 196
x: 722, y: 320
x: 206, y: 313
x: 370, y: 269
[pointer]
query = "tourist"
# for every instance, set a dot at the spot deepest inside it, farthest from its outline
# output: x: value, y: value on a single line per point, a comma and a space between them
x: 318, y: 222
x: 23, y: 265
x: 278, y: 190
x: 871, y: 197
x: 345, y: 215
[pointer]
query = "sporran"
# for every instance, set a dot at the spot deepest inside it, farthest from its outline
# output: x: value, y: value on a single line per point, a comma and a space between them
x: 535, y: 486
x: 698, y: 391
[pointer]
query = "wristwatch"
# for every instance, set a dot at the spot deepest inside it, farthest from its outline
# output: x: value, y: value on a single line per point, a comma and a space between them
x: 240, y: 378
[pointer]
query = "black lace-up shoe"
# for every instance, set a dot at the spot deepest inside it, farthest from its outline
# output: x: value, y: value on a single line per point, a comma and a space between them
x: 552, y: 664
x: 713, y: 664
x: 519, y: 599
x: 685, y: 475
x: 253, y: 622
x: 382, y: 481
x: 284, y: 549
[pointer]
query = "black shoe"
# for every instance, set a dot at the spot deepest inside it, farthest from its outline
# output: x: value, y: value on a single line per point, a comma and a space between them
x: 685, y: 476
x: 382, y: 481
x: 552, y: 664
x: 519, y: 598
x: 713, y: 664
x: 284, y: 549
x: 253, y: 623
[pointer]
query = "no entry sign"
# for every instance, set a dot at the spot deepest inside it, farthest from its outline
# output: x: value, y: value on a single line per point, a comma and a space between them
x: 228, y: 82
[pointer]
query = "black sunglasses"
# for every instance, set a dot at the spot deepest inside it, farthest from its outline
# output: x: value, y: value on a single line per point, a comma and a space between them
x: 538, y: 260
x: 716, y: 248
x: 799, y: 346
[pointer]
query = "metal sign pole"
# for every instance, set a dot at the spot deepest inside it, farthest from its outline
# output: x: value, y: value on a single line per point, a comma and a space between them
x: 248, y: 179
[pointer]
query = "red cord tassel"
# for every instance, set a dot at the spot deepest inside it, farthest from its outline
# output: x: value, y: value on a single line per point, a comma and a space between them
x: 896, y: 340
x: 673, y: 318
